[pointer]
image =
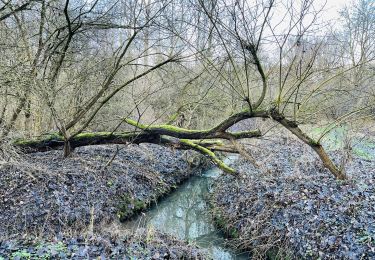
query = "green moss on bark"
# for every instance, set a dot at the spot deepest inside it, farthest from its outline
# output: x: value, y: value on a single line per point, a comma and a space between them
x: 209, y: 153
x: 169, y: 128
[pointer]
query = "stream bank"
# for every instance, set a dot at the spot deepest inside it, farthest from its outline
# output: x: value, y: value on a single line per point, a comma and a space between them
x: 185, y: 214
x: 142, y: 244
x: 292, y: 208
x: 47, y: 199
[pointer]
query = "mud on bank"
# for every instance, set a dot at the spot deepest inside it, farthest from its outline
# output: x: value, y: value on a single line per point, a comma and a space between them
x: 60, y: 200
x: 292, y: 208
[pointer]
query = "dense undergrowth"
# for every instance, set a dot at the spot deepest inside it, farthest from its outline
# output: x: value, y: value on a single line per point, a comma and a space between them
x: 49, y: 203
x: 142, y: 244
x: 289, y: 207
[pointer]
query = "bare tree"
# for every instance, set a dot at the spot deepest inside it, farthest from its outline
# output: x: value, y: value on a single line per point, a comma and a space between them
x: 195, y: 64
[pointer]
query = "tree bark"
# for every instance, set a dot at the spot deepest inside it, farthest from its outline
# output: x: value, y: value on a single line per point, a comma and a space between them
x: 56, y: 141
x: 318, y: 148
x: 181, y: 138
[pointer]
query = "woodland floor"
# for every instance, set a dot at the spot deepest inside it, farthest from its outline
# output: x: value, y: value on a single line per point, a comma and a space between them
x: 66, y: 208
x: 291, y: 205
x: 55, y: 208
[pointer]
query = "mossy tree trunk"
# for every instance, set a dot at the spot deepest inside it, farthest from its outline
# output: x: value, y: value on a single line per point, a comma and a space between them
x: 203, y: 141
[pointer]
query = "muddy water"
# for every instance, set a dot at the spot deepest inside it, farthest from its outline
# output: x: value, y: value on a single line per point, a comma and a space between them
x: 185, y: 215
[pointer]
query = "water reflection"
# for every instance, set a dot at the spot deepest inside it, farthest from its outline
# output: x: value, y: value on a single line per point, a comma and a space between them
x: 185, y: 215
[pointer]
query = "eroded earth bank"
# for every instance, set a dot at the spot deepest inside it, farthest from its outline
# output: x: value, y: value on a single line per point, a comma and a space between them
x: 55, y: 208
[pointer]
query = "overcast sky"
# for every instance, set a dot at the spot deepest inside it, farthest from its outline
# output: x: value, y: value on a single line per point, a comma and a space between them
x: 332, y: 7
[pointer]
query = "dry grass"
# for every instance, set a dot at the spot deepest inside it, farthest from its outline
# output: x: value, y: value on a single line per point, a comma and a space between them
x: 8, y: 153
x: 278, y: 210
x: 250, y: 224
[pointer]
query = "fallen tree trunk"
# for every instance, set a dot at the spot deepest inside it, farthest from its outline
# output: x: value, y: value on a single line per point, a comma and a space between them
x: 181, y: 138
x: 317, y: 147
x: 56, y: 141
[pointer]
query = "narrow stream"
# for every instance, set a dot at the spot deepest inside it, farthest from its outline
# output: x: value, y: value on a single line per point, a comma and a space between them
x: 185, y: 215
